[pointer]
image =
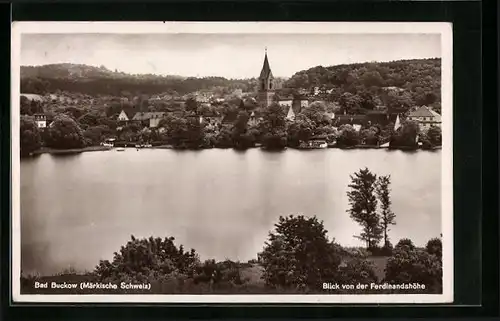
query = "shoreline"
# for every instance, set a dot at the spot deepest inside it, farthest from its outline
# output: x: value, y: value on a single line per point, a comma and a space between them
x: 45, y: 150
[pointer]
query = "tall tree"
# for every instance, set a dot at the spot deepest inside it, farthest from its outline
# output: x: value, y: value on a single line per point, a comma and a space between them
x: 383, y: 194
x: 363, y: 204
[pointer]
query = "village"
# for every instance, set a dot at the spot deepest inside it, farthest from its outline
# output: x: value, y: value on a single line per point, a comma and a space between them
x: 302, y: 118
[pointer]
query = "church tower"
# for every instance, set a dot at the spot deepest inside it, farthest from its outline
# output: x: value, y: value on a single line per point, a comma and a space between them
x: 266, y: 85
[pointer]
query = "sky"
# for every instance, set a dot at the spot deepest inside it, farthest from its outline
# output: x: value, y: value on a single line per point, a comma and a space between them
x: 224, y: 55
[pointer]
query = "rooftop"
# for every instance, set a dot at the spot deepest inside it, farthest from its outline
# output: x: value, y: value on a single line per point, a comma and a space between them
x: 422, y: 111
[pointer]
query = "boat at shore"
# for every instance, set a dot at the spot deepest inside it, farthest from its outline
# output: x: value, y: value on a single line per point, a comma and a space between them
x: 313, y: 144
x: 120, y: 149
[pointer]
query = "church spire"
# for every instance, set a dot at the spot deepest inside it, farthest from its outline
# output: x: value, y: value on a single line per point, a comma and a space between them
x: 266, y: 69
x: 266, y: 84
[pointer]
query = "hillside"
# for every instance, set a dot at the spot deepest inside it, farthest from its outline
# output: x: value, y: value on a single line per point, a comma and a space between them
x: 392, y: 84
x: 357, y: 87
x: 102, y: 81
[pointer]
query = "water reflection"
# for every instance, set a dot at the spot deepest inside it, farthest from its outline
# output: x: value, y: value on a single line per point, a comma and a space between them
x: 80, y: 208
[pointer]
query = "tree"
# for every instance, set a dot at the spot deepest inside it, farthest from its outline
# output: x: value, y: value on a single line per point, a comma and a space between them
x: 435, y: 247
x: 369, y: 136
x: 363, y: 206
x: 65, y: 133
x: 406, y: 135
x: 25, y: 106
x: 386, y: 215
x: 194, y: 133
x: 273, y: 128
x: 191, y: 104
x: 298, y: 254
x: 434, y: 135
x: 95, y: 134
x: 316, y: 112
x: 300, y: 130
x: 146, y: 260
x: 348, y: 136
x: 350, y: 103
x: 30, y: 138
x: 240, y: 137
x: 405, y: 243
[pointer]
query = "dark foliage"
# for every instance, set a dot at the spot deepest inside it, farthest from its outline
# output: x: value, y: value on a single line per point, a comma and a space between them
x: 299, y: 255
x: 435, y: 247
x: 30, y: 138
x: 65, y: 133
x: 411, y: 265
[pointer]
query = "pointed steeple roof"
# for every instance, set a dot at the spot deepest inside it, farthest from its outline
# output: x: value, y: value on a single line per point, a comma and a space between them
x: 266, y: 69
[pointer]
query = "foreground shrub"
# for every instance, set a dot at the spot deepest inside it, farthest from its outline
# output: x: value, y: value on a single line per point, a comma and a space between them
x: 299, y: 255
x: 414, y: 266
x: 219, y: 272
x: 148, y: 259
x: 358, y: 271
x: 405, y: 243
x: 435, y: 247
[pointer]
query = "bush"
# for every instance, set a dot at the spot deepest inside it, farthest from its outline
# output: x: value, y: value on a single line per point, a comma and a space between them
x: 358, y: 271
x: 348, y: 136
x: 299, y: 255
x: 435, y: 247
x: 219, y: 273
x: 414, y: 266
x: 146, y: 260
x: 405, y: 243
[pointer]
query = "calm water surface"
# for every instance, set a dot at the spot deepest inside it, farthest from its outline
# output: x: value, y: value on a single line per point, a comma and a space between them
x: 78, y: 209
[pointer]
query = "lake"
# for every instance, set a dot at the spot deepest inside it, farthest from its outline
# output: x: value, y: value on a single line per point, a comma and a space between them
x: 78, y: 209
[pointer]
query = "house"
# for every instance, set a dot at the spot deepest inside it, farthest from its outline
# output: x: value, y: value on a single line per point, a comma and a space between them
x: 155, y: 118
x: 253, y: 120
x: 356, y: 121
x: 379, y: 117
x: 299, y: 103
x: 40, y: 120
x: 425, y: 117
x: 285, y: 102
x: 291, y: 114
x: 150, y: 119
x: 34, y: 97
x: 123, y: 117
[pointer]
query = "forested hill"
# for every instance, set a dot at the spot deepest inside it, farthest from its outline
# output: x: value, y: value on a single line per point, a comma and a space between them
x: 102, y: 81
x: 412, y: 81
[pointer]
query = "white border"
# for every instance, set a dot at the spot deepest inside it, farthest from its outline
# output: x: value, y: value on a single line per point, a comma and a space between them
x: 445, y: 29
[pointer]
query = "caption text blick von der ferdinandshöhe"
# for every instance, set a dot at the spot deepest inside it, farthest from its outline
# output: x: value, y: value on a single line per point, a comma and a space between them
x: 373, y: 286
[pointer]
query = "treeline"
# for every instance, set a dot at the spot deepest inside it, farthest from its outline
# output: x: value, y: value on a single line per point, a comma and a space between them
x: 100, y: 81
x: 397, y: 84
x: 297, y: 257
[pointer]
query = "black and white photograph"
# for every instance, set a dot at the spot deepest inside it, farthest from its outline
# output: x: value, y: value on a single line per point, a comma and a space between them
x: 232, y: 162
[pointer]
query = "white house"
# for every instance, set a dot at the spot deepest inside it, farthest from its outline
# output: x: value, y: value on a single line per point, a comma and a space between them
x: 285, y: 102
x: 123, y: 116
x: 40, y: 120
x: 425, y: 117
